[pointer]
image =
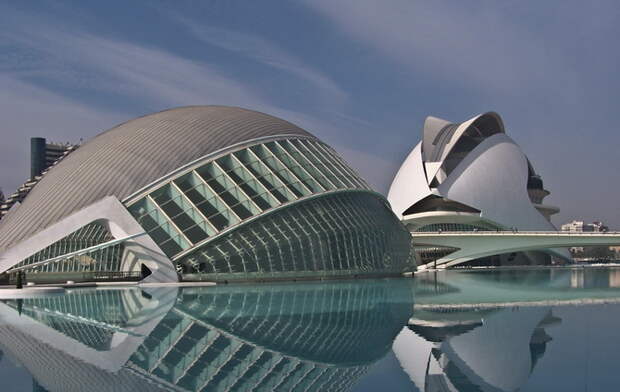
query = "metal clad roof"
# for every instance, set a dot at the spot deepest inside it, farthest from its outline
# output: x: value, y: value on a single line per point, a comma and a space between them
x: 130, y: 156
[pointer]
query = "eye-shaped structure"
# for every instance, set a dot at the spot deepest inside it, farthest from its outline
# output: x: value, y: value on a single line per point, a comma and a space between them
x: 208, y: 193
x: 471, y: 176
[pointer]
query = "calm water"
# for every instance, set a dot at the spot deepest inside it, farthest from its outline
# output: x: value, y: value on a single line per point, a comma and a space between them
x: 529, y: 330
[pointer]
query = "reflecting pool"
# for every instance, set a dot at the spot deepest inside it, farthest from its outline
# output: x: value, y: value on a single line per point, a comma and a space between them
x: 500, y: 330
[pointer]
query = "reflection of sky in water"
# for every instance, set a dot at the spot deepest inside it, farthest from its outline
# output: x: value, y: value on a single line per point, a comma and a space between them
x: 454, y: 331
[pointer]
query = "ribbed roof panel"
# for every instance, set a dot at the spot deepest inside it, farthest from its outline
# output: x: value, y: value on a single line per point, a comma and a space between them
x: 130, y: 156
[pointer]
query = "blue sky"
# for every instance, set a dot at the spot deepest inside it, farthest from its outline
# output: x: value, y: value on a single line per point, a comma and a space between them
x: 362, y: 75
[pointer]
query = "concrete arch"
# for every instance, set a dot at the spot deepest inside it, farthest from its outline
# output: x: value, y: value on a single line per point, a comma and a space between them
x: 474, y: 245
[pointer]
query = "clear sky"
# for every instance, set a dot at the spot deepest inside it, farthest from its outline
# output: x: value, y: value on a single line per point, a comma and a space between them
x: 360, y: 74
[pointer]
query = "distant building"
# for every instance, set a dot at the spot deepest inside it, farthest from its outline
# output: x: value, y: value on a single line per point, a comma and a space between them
x: 573, y: 226
x: 579, y: 252
x: 580, y: 226
x: 43, y: 156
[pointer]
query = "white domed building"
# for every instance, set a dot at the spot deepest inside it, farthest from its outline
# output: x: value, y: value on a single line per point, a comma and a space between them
x: 471, y: 176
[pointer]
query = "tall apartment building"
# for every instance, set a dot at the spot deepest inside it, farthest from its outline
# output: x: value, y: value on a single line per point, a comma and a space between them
x: 43, y: 156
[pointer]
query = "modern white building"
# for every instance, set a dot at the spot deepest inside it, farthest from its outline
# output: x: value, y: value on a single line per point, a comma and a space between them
x: 208, y: 193
x: 582, y: 227
x: 471, y: 176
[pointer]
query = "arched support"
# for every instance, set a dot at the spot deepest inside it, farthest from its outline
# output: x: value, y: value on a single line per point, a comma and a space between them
x: 474, y: 245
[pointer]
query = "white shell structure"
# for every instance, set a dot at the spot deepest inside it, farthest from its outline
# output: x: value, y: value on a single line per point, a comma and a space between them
x: 471, y: 176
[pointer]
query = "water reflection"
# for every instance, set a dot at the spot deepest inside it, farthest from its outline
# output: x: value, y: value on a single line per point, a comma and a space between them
x: 465, y: 331
x: 491, y: 350
x: 509, y: 330
x: 545, y: 286
x: 299, y: 336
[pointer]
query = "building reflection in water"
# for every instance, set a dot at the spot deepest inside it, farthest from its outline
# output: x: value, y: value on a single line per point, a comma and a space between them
x: 493, y: 350
x: 297, y: 336
x: 471, y: 348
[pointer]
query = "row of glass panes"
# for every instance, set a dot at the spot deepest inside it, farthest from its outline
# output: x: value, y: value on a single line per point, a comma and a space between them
x: 240, y: 185
x: 91, y: 335
x: 308, y: 335
x: 341, y: 233
x: 93, y: 304
x: 105, y: 259
x: 89, y: 235
x: 209, y: 367
x: 178, y: 361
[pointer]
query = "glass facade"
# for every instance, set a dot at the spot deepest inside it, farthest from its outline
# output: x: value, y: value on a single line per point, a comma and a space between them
x: 346, y: 230
x: 286, y: 208
x: 103, y: 260
x: 351, y: 233
x: 228, y: 190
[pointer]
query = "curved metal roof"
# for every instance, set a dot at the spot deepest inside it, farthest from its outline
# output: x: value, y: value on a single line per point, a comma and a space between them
x: 132, y: 155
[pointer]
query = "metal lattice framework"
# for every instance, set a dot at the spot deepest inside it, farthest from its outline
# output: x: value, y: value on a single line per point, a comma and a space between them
x: 280, y: 338
x: 215, y: 196
x: 50, y: 259
x: 339, y: 234
x: 284, y: 207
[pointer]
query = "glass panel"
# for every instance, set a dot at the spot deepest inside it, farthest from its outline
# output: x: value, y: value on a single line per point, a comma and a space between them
x: 307, y: 164
x: 318, y: 163
x: 264, y: 175
x: 330, y: 169
x: 280, y: 170
x: 87, y: 236
x: 224, y: 188
x: 250, y: 185
x: 341, y: 166
x: 206, y: 201
x: 352, y: 233
x: 181, y: 212
x: 246, y: 206
x: 158, y: 226
x: 293, y: 165
x: 245, y: 183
